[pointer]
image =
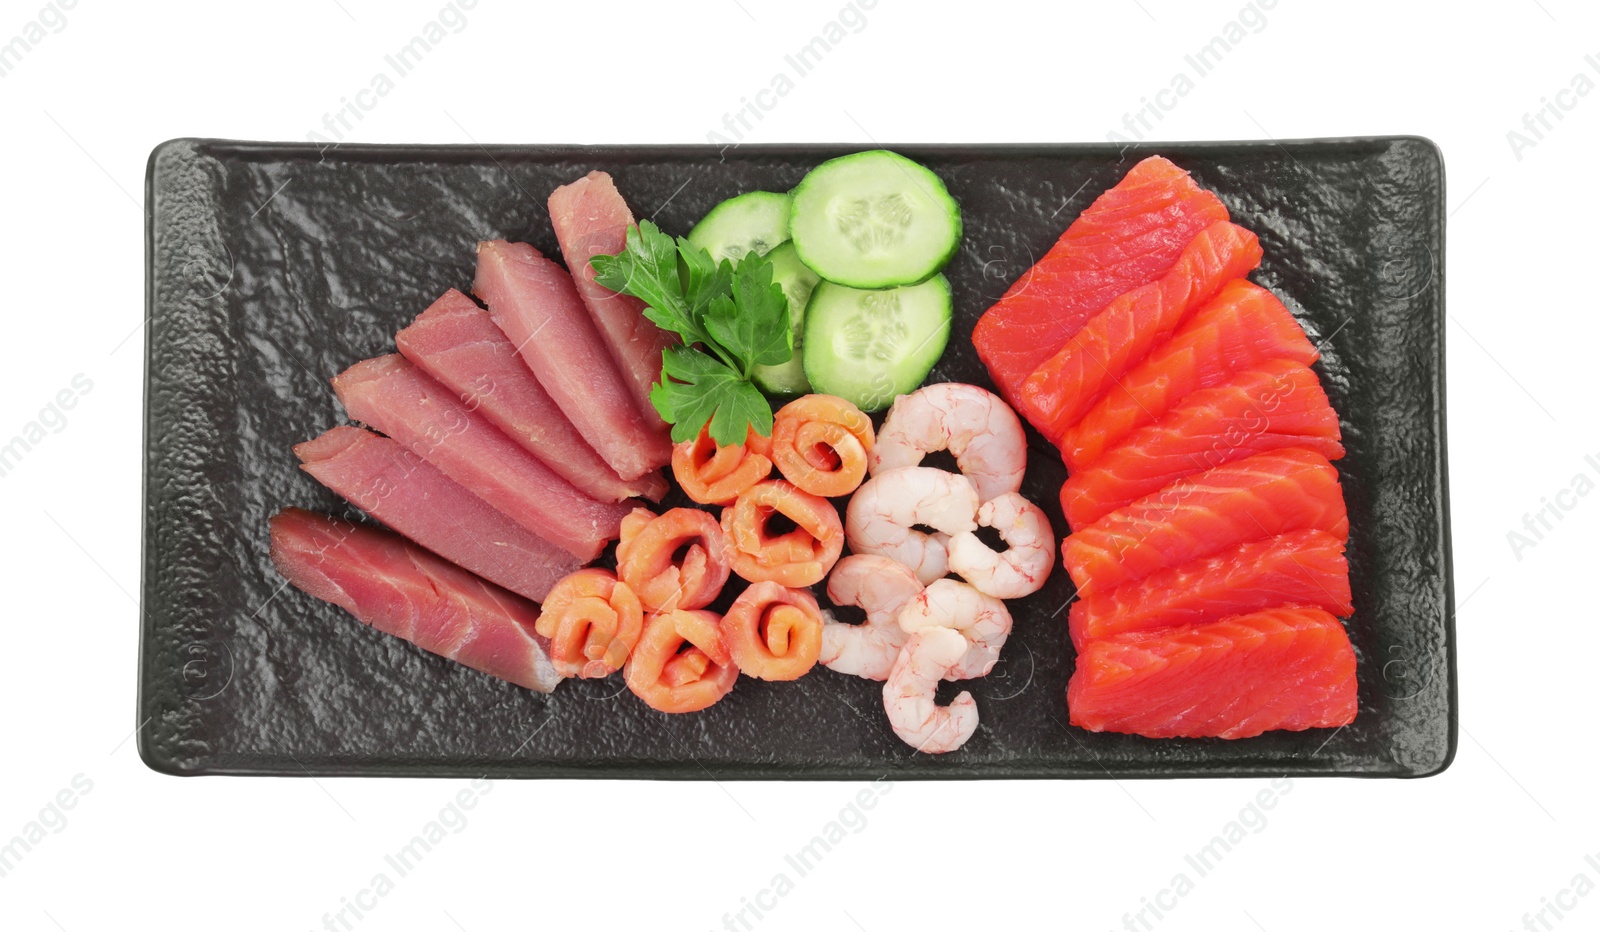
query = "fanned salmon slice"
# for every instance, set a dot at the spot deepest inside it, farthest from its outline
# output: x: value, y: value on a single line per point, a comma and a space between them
x: 537, y: 305
x: 1254, y: 498
x: 395, y: 486
x: 457, y: 343
x: 591, y: 219
x: 1270, y: 406
x: 1128, y: 237
x: 395, y: 397
x: 1284, y: 668
x: 403, y: 590
x: 1243, y: 325
x: 1305, y: 567
x: 1066, y: 385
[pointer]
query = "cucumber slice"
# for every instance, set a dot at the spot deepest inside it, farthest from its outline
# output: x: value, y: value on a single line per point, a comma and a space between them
x: 870, y: 347
x: 754, y: 222
x: 874, y: 220
x: 788, y: 271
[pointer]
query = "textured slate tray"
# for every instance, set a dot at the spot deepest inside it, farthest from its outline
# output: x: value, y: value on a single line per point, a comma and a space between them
x: 275, y: 266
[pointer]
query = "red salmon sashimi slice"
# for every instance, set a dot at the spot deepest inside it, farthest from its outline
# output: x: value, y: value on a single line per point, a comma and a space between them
x: 403, y: 590
x: 393, y: 396
x: 535, y: 302
x: 457, y: 343
x: 1271, y: 406
x: 1257, y: 497
x: 1299, y: 568
x: 1128, y: 237
x: 1063, y: 389
x: 1243, y: 325
x: 1281, y: 669
x: 395, y: 486
x: 591, y: 219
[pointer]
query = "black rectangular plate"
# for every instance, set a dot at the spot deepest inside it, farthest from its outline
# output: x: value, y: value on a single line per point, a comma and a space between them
x: 274, y: 266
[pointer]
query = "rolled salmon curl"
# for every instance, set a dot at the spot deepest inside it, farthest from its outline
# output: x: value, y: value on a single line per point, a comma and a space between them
x: 822, y: 443
x: 680, y: 663
x: 646, y: 558
x: 773, y: 633
x: 795, y: 558
x: 592, y: 621
x: 714, y: 475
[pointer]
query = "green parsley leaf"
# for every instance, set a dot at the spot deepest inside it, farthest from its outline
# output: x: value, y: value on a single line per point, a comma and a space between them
x: 754, y: 322
x: 703, y: 278
x: 731, y: 318
x: 647, y: 268
x: 697, y: 389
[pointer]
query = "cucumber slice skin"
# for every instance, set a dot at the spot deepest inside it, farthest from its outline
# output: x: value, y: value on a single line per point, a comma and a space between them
x: 798, y: 282
x: 757, y: 221
x: 884, y: 190
x: 873, y: 374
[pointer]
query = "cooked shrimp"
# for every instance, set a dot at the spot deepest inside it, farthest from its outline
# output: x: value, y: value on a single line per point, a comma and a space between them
x: 981, y: 619
x: 713, y: 475
x: 671, y: 679
x: 881, y: 586
x: 773, y: 633
x: 908, y: 694
x: 796, y: 558
x: 645, y: 558
x: 882, y: 513
x: 975, y: 425
x: 821, y: 443
x: 592, y: 621
x: 1020, y: 569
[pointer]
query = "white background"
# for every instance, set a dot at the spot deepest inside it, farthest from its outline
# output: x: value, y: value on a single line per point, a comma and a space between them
x: 1502, y: 831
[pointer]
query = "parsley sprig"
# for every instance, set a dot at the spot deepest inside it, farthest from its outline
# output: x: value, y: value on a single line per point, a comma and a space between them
x: 732, y: 318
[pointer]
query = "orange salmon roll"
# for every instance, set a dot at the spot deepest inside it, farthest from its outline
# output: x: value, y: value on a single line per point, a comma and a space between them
x: 822, y: 443
x: 794, y: 558
x: 759, y: 443
x: 670, y: 677
x: 773, y: 633
x: 592, y: 621
x: 713, y: 475
x: 646, y: 558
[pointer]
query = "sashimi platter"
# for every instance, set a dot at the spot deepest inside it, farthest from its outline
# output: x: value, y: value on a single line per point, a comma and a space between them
x: 797, y: 462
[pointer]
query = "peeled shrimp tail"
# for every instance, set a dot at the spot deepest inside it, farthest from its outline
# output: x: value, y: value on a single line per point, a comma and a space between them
x: 593, y: 622
x: 1026, y: 563
x: 882, y: 587
x: 982, y: 620
x: 908, y: 694
x: 975, y: 425
x: 882, y: 516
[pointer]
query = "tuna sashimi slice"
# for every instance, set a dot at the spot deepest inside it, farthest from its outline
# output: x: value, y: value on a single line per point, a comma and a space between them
x: 457, y: 343
x: 1281, y: 669
x: 1271, y: 406
x: 1299, y: 568
x: 1243, y: 325
x: 395, y: 486
x: 591, y: 219
x: 403, y: 590
x: 1065, y: 386
x: 393, y: 396
x: 1257, y: 497
x: 1129, y: 237
x: 535, y: 302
